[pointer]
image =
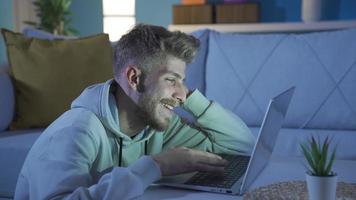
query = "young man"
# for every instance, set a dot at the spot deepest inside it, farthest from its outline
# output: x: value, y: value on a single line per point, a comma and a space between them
x: 122, y: 135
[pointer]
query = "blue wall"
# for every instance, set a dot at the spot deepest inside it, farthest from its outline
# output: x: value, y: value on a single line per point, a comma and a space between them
x: 87, y: 16
x: 6, y: 21
x: 347, y: 7
x: 157, y: 12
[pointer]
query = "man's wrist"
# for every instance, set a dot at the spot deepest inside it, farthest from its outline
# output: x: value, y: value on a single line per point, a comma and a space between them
x: 146, y: 168
x: 159, y: 163
x: 196, y: 103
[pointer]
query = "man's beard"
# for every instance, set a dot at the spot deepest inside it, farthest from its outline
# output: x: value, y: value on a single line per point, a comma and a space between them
x: 148, y: 110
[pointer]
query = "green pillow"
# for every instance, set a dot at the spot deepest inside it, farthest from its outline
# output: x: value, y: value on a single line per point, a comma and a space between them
x: 49, y: 75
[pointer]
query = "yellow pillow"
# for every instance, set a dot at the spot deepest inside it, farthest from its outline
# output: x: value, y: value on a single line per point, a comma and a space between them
x: 49, y: 75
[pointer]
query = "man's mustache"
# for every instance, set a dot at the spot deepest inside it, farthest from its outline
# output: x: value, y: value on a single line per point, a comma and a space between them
x: 170, y: 102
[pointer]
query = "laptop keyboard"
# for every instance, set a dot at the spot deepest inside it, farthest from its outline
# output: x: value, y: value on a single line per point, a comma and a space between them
x: 235, y: 168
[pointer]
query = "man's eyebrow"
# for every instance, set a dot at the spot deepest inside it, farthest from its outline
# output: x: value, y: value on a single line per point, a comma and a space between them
x: 175, y: 74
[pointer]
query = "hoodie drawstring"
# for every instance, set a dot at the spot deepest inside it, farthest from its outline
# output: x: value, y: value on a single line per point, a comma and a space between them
x: 146, y: 142
x: 120, y: 151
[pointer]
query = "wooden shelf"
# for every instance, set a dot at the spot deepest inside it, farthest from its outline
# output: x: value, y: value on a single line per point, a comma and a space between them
x: 268, y: 27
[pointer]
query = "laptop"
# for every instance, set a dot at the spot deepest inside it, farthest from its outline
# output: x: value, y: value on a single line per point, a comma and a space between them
x: 241, y: 170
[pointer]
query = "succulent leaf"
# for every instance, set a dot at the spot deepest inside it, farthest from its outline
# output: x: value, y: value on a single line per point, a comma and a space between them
x: 316, y: 153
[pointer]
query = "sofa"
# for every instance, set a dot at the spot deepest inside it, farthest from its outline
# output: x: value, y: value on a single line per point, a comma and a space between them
x: 242, y: 72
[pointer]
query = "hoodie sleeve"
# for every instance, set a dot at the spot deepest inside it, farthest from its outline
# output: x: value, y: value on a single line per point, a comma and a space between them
x: 216, y: 129
x: 62, y: 170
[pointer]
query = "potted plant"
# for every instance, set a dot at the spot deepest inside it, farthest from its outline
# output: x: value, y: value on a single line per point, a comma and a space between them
x: 321, y: 180
x: 54, y: 16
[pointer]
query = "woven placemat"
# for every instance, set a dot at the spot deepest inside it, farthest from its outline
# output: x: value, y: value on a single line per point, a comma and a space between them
x: 297, y: 190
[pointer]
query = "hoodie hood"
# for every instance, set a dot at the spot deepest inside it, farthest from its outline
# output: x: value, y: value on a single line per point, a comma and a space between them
x: 99, y: 100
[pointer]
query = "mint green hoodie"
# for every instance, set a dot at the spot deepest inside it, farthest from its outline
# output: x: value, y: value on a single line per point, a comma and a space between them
x: 77, y: 156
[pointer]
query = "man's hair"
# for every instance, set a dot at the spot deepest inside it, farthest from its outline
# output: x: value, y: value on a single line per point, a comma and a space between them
x: 147, y: 46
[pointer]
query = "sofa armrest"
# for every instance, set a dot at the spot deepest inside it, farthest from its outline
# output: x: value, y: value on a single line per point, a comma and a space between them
x: 7, y: 99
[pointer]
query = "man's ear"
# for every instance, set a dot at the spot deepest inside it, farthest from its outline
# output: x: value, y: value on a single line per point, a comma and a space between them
x: 133, y: 76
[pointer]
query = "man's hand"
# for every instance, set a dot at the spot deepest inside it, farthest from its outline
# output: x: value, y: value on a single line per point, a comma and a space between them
x: 182, y: 160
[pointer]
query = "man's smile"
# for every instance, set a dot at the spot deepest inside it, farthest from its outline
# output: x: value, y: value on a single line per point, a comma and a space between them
x: 168, y: 106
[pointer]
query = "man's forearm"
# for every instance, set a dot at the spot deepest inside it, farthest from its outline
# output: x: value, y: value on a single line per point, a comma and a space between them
x: 226, y: 129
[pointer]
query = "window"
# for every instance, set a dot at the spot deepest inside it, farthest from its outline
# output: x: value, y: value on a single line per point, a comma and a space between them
x: 118, y: 17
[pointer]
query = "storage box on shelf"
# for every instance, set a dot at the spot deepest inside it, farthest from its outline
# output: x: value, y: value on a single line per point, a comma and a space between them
x: 193, y: 14
x: 193, y: 2
x: 237, y: 13
x: 215, y: 12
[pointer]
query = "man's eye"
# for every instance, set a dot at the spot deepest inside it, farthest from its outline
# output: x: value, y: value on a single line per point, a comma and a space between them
x: 172, y: 81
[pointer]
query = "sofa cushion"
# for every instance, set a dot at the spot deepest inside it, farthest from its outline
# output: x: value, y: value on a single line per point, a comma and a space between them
x: 35, y: 33
x: 196, y: 70
x: 7, y: 100
x: 48, y: 75
x: 14, y: 146
x: 289, y: 140
x: 245, y: 71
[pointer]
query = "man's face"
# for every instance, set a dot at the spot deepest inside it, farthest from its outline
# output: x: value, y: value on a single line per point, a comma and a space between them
x: 163, y: 89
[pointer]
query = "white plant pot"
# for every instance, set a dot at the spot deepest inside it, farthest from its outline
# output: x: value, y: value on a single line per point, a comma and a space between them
x: 320, y: 187
x: 311, y: 10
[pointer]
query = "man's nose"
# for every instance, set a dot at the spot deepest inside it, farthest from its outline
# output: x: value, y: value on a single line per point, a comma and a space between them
x: 180, y: 93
